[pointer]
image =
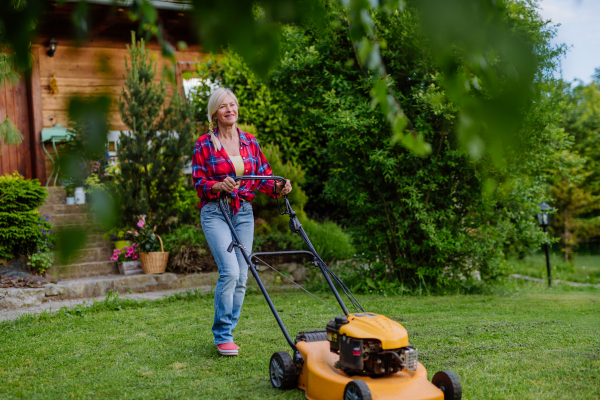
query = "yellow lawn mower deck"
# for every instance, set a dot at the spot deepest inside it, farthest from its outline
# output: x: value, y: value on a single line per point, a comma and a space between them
x: 358, y: 356
x: 321, y: 380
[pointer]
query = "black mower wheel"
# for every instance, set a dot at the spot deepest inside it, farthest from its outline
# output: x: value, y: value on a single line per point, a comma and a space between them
x: 282, y: 371
x: 357, y: 390
x: 448, y: 383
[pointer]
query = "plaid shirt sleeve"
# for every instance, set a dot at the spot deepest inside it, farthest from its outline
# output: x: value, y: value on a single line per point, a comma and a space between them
x: 202, y: 181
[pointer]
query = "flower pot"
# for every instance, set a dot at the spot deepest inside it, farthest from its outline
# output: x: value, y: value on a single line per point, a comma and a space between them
x: 79, y: 196
x: 70, y: 201
x: 119, y: 244
x: 156, y: 261
x: 130, y: 268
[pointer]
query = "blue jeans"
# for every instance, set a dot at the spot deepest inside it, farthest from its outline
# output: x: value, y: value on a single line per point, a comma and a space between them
x: 233, y: 269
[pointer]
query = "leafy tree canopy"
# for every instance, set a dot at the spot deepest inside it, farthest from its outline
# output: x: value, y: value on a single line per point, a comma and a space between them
x: 431, y: 218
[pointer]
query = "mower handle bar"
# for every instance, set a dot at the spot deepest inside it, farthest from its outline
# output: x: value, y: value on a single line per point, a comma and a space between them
x: 255, y: 178
x: 259, y: 178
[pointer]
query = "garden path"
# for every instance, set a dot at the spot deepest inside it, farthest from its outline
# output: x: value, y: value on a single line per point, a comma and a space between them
x: 54, y: 306
x: 575, y: 284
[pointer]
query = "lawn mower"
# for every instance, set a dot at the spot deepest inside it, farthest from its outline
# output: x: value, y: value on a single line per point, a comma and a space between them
x: 358, y: 356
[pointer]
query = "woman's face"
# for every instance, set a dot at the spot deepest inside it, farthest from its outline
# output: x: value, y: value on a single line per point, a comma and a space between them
x: 227, y: 113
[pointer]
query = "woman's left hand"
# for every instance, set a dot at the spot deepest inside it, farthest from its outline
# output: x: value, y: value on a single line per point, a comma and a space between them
x: 283, y: 189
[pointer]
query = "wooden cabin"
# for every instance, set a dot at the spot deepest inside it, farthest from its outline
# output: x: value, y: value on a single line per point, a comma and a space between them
x: 94, y: 66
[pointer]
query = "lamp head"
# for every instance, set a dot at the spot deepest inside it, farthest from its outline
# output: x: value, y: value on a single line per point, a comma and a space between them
x: 543, y: 216
x: 52, y: 44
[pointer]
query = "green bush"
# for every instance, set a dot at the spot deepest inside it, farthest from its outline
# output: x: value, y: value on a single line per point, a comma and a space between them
x: 185, y: 203
x: 277, y: 241
x: 330, y: 241
x: 183, y: 235
x: 265, y: 208
x: 20, y: 222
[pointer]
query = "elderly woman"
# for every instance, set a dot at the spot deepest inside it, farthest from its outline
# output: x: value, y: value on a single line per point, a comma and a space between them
x: 219, y: 156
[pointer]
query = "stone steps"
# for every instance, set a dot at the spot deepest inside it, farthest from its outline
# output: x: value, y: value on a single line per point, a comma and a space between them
x: 82, y: 270
x: 94, y: 258
x: 56, y: 208
x: 56, y: 195
x: 96, y: 254
x: 72, y: 219
x: 96, y: 240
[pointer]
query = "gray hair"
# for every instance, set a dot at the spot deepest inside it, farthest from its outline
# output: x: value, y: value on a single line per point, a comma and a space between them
x: 216, y: 98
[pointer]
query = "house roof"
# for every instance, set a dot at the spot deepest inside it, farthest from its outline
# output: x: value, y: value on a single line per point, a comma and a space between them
x: 109, y: 23
x: 177, y: 5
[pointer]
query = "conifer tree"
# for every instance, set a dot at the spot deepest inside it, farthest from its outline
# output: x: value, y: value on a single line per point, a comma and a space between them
x: 159, y: 141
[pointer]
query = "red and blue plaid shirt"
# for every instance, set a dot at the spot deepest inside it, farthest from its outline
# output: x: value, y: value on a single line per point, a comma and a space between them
x: 210, y: 166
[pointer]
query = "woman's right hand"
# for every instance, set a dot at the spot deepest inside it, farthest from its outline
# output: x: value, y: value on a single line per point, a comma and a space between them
x: 227, y: 185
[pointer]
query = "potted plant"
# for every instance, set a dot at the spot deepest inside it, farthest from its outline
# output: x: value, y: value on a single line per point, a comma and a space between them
x: 120, y: 237
x: 69, y: 186
x: 153, y: 262
x: 127, y: 259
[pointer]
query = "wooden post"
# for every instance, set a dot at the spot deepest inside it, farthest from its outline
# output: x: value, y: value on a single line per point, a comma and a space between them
x: 36, y: 123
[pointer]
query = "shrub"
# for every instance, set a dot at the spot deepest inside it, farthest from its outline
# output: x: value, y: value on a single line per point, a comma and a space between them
x: 188, y: 250
x: 277, y: 241
x: 330, y: 241
x: 42, y: 257
x: 19, y: 220
x: 185, y: 203
x: 265, y: 207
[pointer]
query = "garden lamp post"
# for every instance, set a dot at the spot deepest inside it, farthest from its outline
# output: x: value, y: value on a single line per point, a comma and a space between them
x: 544, y: 220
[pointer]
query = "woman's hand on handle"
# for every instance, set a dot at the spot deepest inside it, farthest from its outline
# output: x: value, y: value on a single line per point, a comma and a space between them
x: 282, y: 188
x: 227, y: 185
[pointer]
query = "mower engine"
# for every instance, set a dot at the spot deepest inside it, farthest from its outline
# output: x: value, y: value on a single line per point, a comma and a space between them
x: 371, y: 344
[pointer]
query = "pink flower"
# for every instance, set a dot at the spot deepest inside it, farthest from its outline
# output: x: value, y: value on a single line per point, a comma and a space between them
x: 140, y: 224
x: 135, y: 257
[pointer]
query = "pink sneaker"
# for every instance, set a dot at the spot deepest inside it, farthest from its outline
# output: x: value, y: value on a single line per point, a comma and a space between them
x: 228, y: 349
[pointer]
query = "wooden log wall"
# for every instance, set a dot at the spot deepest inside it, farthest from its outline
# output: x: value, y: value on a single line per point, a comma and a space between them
x: 89, y: 71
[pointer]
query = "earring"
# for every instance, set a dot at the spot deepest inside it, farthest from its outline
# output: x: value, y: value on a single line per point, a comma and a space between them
x: 211, y: 126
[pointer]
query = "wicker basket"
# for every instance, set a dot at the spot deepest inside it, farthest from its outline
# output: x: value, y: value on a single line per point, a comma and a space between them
x: 156, y: 261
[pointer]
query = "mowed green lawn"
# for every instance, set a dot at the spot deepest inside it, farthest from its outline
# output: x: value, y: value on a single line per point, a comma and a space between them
x: 524, y: 342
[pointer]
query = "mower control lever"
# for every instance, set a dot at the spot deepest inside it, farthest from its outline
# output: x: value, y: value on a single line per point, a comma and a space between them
x: 230, y: 248
x: 259, y: 178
